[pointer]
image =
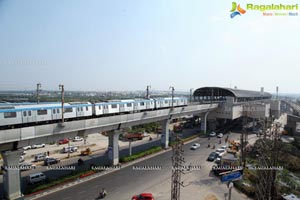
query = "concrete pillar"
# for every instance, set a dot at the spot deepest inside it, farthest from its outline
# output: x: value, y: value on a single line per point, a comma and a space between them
x: 204, y: 122
x: 11, y: 174
x: 165, y: 133
x: 113, y: 151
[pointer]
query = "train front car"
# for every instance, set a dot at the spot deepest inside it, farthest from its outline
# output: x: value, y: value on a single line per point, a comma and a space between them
x: 10, y: 116
x: 26, y: 113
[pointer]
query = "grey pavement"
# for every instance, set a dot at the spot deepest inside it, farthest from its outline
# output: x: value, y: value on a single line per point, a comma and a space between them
x: 128, y: 181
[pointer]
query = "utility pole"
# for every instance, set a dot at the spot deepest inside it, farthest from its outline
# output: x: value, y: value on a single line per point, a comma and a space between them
x: 172, y: 88
x: 274, y: 161
x: 191, y: 94
x: 38, y: 90
x: 177, y: 169
x: 268, y: 157
x: 147, y: 92
x: 244, y: 136
x: 61, y: 87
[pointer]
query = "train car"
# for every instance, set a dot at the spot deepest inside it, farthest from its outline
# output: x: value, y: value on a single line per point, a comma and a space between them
x: 126, y: 105
x: 144, y: 104
x: 167, y: 102
x: 98, y: 108
x: 108, y: 107
x: 21, y: 114
x: 9, y: 116
x: 82, y: 109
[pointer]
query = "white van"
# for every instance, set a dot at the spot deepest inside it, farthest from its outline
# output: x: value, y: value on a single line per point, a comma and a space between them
x: 37, y: 177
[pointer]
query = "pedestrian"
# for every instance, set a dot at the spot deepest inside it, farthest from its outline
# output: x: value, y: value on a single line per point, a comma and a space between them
x: 48, y: 153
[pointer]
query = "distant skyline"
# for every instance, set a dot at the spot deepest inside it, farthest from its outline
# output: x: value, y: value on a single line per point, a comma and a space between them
x: 122, y: 45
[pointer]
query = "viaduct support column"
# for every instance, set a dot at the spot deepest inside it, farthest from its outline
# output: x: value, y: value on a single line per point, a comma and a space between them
x: 113, y: 149
x: 165, y: 132
x: 11, y: 174
x: 204, y: 122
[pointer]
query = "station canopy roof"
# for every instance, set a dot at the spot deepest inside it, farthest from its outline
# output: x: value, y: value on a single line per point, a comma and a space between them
x: 219, y: 91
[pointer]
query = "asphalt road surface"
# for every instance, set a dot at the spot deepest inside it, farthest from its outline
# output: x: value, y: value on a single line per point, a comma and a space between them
x: 123, y: 184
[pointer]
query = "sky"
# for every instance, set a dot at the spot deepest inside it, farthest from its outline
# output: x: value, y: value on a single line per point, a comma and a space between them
x: 102, y: 45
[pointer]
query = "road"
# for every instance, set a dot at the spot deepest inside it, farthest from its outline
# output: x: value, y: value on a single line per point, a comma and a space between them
x: 96, y: 158
x: 124, y: 183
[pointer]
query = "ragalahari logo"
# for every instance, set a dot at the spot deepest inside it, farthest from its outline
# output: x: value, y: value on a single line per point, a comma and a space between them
x: 236, y: 10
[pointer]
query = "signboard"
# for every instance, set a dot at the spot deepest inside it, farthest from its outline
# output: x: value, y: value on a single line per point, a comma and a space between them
x: 231, y: 176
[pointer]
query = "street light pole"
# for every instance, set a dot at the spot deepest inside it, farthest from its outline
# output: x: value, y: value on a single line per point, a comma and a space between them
x: 172, y: 88
x: 69, y: 149
x: 147, y: 91
x: 38, y: 90
x: 191, y: 94
x: 61, y: 87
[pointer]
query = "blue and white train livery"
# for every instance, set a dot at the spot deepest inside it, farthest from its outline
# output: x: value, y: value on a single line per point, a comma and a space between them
x: 19, y: 114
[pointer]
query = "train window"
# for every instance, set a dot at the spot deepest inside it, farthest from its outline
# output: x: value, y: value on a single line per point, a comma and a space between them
x: 24, y: 113
x: 42, y: 112
x: 57, y: 110
x: 78, y: 109
x: 142, y: 103
x: 129, y: 105
x: 10, y: 114
x: 86, y: 108
x: 115, y: 106
x: 29, y: 113
x: 99, y: 107
x: 166, y: 101
x: 81, y: 109
x: 68, y: 110
x: 54, y: 111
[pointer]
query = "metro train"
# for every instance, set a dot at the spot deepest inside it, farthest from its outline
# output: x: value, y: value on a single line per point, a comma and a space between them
x: 14, y: 115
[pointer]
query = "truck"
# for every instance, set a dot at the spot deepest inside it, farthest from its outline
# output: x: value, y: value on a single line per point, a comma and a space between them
x: 133, y: 136
x: 228, y: 163
x: 86, y: 152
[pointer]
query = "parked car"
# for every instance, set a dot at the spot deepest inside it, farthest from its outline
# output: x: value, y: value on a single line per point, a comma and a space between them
x: 195, y: 146
x: 212, y: 134
x: 51, y: 161
x: 223, y: 147
x: 37, y: 177
x: 70, y: 149
x: 77, y: 139
x: 26, y: 147
x: 63, y: 141
x: 22, y: 159
x: 143, y: 196
x: 26, y: 166
x: 218, y: 160
x: 145, y: 134
x: 40, y: 157
x: 221, y: 152
x: 212, y: 156
x: 220, y: 135
x: 40, y: 145
x: 23, y: 153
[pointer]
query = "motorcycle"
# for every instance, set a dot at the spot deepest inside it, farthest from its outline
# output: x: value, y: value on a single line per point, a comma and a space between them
x: 102, y: 195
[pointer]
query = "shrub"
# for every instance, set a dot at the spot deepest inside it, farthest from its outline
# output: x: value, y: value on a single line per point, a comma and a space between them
x: 140, y: 154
